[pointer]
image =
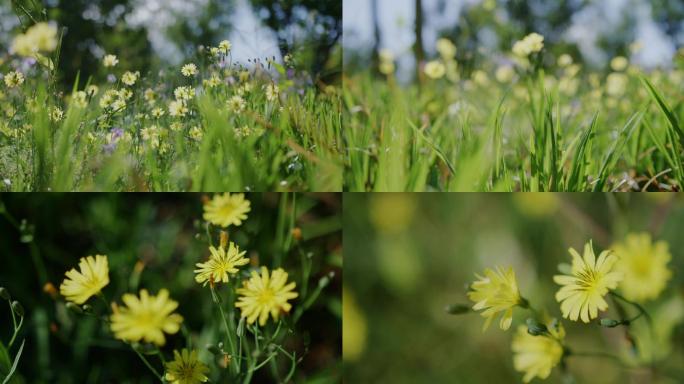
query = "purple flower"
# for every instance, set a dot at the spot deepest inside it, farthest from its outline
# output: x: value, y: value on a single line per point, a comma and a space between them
x: 111, y: 78
x: 290, y: 74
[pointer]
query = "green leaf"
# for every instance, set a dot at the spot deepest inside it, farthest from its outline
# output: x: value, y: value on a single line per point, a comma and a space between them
x: 4, y: 361
x: 671, y: 118
x: 8, y: 378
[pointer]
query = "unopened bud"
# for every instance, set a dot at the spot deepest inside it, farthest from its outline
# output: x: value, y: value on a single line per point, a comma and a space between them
x: 17, y: 308
x: 536, y: 328
x: 74, y: 308
x: 224, y: 239
x: 4, y: 293
x: 297, y: 233
x: 457, y: 309
x: 609, y: 323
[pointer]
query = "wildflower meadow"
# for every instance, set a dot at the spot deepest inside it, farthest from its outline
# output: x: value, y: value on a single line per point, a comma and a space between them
x: 525, y: 287
x: 515, y: 96
x: 181, y: 288
x: 107, y: 120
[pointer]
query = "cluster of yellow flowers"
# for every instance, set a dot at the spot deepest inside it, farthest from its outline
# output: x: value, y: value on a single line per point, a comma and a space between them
x: 446, y: 64
x: 636, y: 267
x: 41, y: 37
x: 147, y: 317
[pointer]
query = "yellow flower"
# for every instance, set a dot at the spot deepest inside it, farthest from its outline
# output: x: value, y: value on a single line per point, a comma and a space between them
x: 177, y: 108
x: 434, y: 69
x: 504, y: 74
x: 40, y: 37
x: 14, y: 79
x: 537, y: 355
x: 496, y: 292
x: 186, y: 368
x: 386, y: 65
x: 236, y: 103
x: 272, y: 92
x: 531, y: 43
x: 110, y: 61
x: 446, y: 48
x: 227, y: 209
x: 184, y: 93
x: 581, y: 295
x: 221, y: 263
x: 265, y: 294
x: 616, y: 84
x: 619, y: 63
x: 129, y: 78
x: 146, y: 318
x: 644, y: 265
x: 78, y: 287
x: 189, y: 70
x: 224, y: 46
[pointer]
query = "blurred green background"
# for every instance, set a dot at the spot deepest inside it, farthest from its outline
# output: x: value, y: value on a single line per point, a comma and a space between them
x: 407, y: 256
x: 164, y: 235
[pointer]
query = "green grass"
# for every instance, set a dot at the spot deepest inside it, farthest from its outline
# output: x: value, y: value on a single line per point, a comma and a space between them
x: 289, y: 143
x: 531, y: 134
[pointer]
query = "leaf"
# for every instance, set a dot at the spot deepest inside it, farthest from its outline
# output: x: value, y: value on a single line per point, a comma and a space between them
x: 4, y: 361
x: 671, y: 118
x: 16, y: 362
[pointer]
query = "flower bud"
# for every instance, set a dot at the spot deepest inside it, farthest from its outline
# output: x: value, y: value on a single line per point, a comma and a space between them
x: 456, y: 309
x: 214, y: 349
x: 73, y: 307
x: 4, y: 293
x: 224, y: 239
x: 536, y: 328
x: 609, y: 323
x: 17, y: 308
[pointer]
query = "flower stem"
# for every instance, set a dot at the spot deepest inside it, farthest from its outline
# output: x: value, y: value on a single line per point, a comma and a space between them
x: 231, y: 342
x: 641, y: 309
x: 148, y: 364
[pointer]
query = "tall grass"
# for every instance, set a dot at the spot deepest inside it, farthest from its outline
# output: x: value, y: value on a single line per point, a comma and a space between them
x: 526, y: 135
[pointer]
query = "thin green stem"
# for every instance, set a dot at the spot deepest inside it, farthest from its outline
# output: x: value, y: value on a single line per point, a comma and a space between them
x: 642, y: 310
x: 231, y: 343
x: 148, y: 364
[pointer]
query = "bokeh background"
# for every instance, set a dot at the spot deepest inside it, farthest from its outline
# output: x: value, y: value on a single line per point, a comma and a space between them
x: 593, y: 31
x: 407, y: 256
x: 153, y: 241
x: 152, y: 34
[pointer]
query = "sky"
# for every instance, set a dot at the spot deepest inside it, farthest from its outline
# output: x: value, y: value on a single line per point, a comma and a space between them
x: 396, y: 19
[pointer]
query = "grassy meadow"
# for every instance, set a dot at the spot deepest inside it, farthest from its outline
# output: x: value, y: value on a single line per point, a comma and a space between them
x: 537, y: 123
x: 210, y: 124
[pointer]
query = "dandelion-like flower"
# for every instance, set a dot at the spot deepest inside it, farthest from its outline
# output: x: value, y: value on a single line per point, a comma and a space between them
x: 581, y: 295
x: 496, y: 291
x: 129, y: 78
x: 236, y: 103
x: 177, y: 108
x: 265, y: 294
x: 79, y: 286
x: 146, y: 317
x: 537, y: 355
x: 644, y: 266
x: 14, y: 79
x: 434, y: 69
x: 386, y: 65
x: 446, y: 48
x: 41, y: 37
x: 110, y: 61
x: 227, y: 209
x: 272, y: 92
x: 222, y: 263
x: 189, y: 70
x: 186, y: 368
x: 224, y: 46
x: 530, y: 44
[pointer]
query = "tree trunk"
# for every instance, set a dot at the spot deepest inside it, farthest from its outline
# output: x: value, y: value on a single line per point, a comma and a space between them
x: 375, y: 59
x: 418, y: 50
